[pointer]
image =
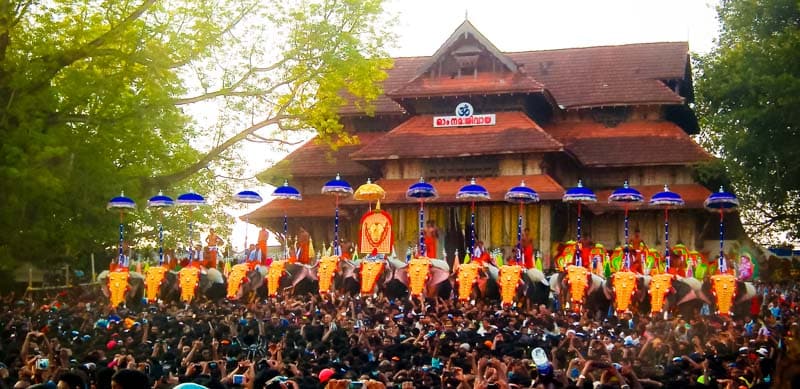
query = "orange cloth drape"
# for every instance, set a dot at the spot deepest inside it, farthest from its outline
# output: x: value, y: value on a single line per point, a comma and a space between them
x: 188, y: 278
x: 237, y: 275
x: 325, y: 272
x: 578, y: 280
x: 117, y: 286
x: 418, y: 271
x: 660, y: 286
x: 723, y: 287
x: 624, y: 284
x: 509, y: 280
x: 274, y: 275
x: 370, y: 271
x: 152, y: 282
x: 467, y: 277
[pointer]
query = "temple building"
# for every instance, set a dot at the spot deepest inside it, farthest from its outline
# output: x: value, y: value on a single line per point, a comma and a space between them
x: 548, y: 118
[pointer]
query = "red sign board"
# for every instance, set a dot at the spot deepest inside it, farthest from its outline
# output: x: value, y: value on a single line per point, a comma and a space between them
x: 464, y: 121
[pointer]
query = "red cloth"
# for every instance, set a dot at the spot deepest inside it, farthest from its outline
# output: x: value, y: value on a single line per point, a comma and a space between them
x: 527, y: 256
x: 304, y: 254
x: 263, y: 235
x: 755, y: 306
x: 211, y: 260
x: 430, y: 246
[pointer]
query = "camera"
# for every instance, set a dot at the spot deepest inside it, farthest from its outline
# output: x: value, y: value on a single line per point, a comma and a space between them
x: 43, y: 364
x: 356, y: 385
x: 212, y: 365
x: 238, y: 379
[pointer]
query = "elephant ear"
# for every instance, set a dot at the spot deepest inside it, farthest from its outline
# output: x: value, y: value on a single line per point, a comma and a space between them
x: 255, y: 279
x: 745, y: 291
x: 261, y: 269
x: 440, y: 264
x: 214, y: 276
x: 399, y: 274
x: 605, y: 286
x: 535, y: 276
x: 299, y: 272
x: 683, y: 291
x: 396, y: 264
x: 596, y: 282
x: 555, y: 282
x: 438, y: 275
x: 102, y: 279
x: 493, y: 271
x: 348, y: 268
x: 135, y: 286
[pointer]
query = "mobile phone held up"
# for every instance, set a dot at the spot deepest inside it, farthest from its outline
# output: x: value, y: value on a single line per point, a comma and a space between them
x: 238, y: 379
x: 356, y: 385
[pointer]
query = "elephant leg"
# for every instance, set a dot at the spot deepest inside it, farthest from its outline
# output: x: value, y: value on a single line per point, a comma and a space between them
x: 563, y: 297
x: 482, y: 284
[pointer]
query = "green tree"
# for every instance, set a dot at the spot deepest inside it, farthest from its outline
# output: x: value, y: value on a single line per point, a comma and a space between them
x: 102, y: 96
x: 748, y: 101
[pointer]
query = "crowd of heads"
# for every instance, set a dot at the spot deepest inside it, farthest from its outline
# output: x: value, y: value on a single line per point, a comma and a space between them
x: 72, y: 339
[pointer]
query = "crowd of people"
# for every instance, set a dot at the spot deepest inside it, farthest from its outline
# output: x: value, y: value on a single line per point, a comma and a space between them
x: 73, y: 340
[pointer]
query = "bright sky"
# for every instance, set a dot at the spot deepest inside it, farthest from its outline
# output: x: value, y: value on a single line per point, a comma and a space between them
x: 520, y: 25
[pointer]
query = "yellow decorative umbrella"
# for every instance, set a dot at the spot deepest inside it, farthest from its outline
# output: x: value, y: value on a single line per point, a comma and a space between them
x: 370, y: 192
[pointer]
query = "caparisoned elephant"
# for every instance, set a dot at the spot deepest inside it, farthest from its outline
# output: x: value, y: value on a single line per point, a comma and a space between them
x: 134, y: 291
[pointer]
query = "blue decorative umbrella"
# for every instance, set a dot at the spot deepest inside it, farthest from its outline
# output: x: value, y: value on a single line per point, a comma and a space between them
x: 721, y: 202
x: 190, y: 200
x: 337, y: 187
x: 521, y: 195
x: 666, y: 200
x: 247, y: 197
x: 422, y: 192
x: 160, y: 201
x: 472, y: 192
x: 123, y: 205
x: 579, y: 195
x: 286, y: 192
x: 626, y: 196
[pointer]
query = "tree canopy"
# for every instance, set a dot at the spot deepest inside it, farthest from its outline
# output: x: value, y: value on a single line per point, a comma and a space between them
x: 97, y: 97
x: 748, y: 101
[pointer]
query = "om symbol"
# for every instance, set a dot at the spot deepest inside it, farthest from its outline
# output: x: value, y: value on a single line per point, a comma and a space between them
x: 464, y: 109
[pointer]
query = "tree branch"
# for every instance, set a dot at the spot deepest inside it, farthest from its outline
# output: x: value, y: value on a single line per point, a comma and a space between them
x: 231, y: 90
x: 19, y: 11
x: 68, y: 57
x: 165, y: 180
x: 260, y: 139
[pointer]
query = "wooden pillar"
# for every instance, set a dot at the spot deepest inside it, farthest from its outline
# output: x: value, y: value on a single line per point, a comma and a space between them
x: 545, y: 225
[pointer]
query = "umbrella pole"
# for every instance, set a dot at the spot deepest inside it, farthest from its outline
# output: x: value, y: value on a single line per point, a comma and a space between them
x: 519, y: 236
x: 666, y: 240
x: 723, y: 267
x: 578, y: 260
x: 191, y: 245
x: 472, y: 230
x: 246, y: 223
x: 627, y: 248
x: 160, y: 239
x: 422, y: 230
x: 285, y: 235
x: 336, y: 228
x: 121, y: 237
